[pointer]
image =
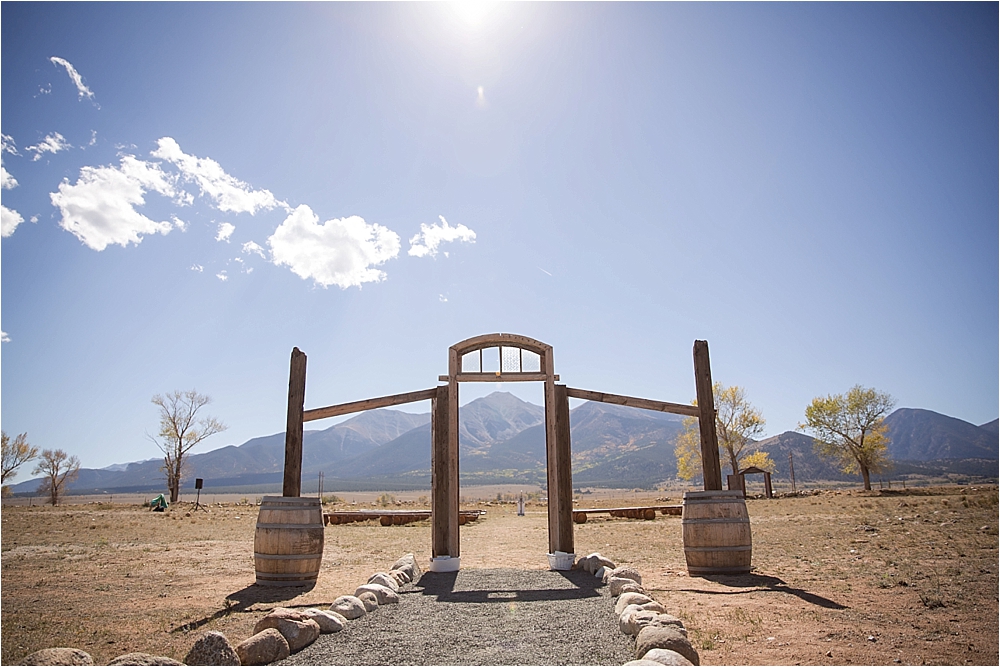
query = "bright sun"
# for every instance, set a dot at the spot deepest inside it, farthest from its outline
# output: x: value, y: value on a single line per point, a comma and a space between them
x: 472, y: 13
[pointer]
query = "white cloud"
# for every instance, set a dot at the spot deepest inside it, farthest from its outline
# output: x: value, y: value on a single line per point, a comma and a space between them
x: 226, y: 230
x: 81, y: 88
x: 251, y: 248
x: 52, y: 143
x: 339, y: 252
x: 178, y: 223
x: 93, y: 138
x: 34, y: 219
x: 430, y: 237
x: 4, y: 338
x: 197, y: 267
x: 442, y: 298
x: 229, y: 194
x: 222, y: 276
x: 100, y: 208
x: 9, y: 220
x: 7, y: 144
x: 7, y: 182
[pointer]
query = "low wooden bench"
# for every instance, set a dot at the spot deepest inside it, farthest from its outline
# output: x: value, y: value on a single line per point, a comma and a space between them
x: 392, y: 517
x: 647, y: 513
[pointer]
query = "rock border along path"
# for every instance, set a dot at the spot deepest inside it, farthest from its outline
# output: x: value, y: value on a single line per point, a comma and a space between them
x: 483, y: 617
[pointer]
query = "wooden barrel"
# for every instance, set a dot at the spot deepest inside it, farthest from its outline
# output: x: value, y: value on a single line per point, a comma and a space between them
x: 288, y: 544
x: 580, y: 517
x: 649, y: 515
x: 716, y: 531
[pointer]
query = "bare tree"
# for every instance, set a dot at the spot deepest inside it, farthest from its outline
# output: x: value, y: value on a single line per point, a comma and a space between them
x: 57, y: 469
x: 16, y: 453
x: 180, y: 431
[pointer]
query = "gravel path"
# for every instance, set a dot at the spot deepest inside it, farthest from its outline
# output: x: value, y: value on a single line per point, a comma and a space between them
x: 483, y: 617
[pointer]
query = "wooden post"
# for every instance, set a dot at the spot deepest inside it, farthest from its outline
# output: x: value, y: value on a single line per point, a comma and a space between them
x: 551, y: 457
x: 292, y: 483
x: 712, y: 471
x: 440, y: 481
x: 453, y: 539
x: 564, y: 474
x: 791, y: 471
x: 767, y: 485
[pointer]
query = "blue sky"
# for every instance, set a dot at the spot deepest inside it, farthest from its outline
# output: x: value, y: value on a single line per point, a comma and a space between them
x: 812, y: 188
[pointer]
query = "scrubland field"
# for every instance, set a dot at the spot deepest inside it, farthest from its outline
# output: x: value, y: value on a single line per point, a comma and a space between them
x: 849, y: 577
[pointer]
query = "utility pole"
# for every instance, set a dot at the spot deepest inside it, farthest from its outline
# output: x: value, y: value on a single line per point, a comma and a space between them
x: 791, y: 470
x: 319, y: 487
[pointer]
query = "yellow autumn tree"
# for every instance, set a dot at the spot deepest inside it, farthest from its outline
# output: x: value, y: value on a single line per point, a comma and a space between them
x: 850, y: 429
x: 737, y: 423
x: 757, y: 459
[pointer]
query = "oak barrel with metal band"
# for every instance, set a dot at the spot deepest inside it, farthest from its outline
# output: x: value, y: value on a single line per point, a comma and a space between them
x: 288, y: 542
x: 716, y: 531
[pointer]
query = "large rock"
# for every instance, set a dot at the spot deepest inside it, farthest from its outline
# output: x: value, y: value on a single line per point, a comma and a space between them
x: 666, y: 636
x: 369, y: 600
x: 401, y: 576
x: 642, y: 663
x: 145, y: 660
x: 212, y: 649
x: 619, y: 585
x: 633, y: 588
x: 58, y: 656
x: 408, y: 564
x: 623, y: 572
x: 593, y: 562
x: 298, y: 629
x: 383, y: 579
x: 601, y: 572
x: 328, y: 621
x: 625, y: 599
x: 349, y: 607
x: 635, y: 617
x: 665, y: 656
x: 382, y: 594
x: 263, y: 648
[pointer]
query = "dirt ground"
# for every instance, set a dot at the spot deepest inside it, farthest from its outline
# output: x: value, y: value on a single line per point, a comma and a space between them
x: 900, y: 577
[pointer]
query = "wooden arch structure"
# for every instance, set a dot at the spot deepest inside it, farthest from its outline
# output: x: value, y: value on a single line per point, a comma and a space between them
x: 521, y: 359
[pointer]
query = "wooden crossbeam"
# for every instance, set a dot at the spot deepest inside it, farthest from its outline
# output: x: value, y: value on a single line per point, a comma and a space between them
x: 632, y: 402
x: 499, y: 377
x: 368, y: 404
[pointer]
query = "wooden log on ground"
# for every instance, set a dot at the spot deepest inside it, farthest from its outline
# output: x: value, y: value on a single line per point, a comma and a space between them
x: 580, y: 517
x: 649, y: 515
x: 385, y: 520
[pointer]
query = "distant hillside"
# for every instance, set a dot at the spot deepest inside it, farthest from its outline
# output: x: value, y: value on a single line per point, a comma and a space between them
x: 991, y: 427
x: 923, y: 435
x: 502, y: 439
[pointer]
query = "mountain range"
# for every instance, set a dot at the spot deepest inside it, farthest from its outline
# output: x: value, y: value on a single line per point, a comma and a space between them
x: 502, y: 439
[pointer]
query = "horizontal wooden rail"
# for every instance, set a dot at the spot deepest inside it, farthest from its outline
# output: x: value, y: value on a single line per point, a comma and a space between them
x: 647, y: 513
x: 499, y: 377
x: 632, y: 402
x: 368, y: 404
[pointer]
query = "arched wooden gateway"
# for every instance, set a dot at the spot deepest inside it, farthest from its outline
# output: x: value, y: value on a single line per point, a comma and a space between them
x: 521, y: 359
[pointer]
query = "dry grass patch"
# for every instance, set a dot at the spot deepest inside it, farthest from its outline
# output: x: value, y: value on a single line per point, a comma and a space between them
x: 866, y: 578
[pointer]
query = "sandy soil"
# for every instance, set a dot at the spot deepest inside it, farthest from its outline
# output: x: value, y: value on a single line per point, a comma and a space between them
x: 840, y: 578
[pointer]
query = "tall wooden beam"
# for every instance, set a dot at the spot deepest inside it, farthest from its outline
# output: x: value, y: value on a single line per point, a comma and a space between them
x: 440, y: 480
x: 551, y: 455
x: 564, y: 474
x: 712, y: 471
x: 292, y: 482
x: 454, y: 367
